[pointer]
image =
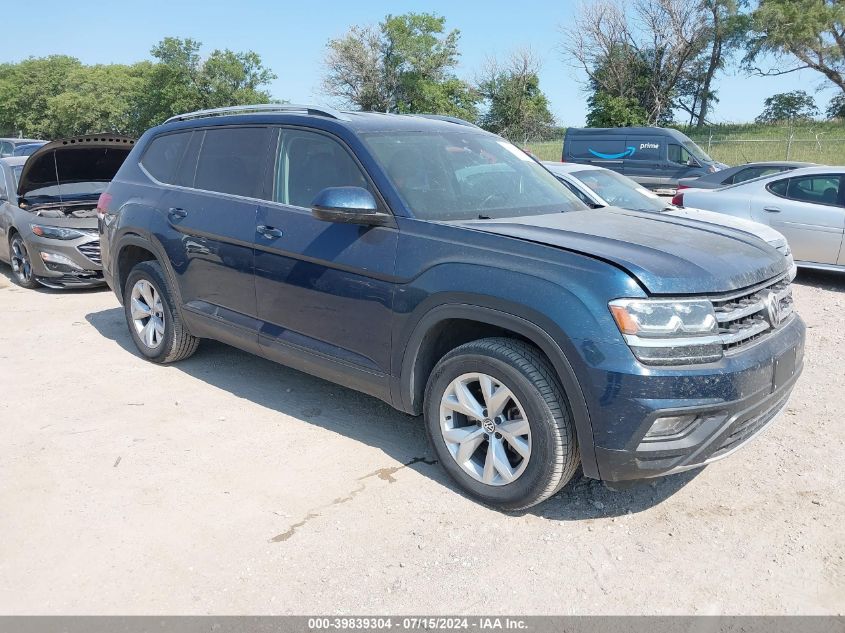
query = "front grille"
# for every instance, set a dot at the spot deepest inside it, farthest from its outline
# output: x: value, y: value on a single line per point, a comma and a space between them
x: 748, y: 316
x: 91, y: 250
x: 745, y: 429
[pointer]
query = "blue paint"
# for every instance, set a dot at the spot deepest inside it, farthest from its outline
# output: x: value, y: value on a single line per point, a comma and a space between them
x: 628, y: 152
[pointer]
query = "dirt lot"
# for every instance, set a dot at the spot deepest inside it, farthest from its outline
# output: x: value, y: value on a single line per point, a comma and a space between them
x: 228, y: 484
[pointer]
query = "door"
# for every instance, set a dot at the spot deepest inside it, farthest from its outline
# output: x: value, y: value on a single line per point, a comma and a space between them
x: 218, y: 177
x: 324, y: 290
x: 809, y: 211
x: 593, y: 149
x: 646, y: 162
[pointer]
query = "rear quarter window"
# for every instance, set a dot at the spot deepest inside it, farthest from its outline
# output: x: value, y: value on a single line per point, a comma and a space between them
x: 164, y: 154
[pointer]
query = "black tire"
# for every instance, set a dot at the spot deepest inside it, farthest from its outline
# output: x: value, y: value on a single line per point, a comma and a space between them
x: 21, y: 271
x: 176, y: 343
x: 520, y: 367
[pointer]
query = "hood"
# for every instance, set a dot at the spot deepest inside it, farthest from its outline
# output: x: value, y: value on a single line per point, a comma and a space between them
x: 58, y: 164
x: 757, y: 229
x: 668, y: 255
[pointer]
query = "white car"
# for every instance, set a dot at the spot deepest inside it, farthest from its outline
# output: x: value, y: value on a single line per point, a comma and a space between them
x: 599, y: 187
x: 806, y: 205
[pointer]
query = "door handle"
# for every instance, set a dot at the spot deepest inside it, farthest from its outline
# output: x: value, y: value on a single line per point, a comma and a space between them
x: 771, y: 209
x: 177, y: 213
x: 270, y: 232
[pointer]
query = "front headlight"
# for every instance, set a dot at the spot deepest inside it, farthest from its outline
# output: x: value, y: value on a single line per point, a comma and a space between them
x: 669, y: 331
x: 56, y: 232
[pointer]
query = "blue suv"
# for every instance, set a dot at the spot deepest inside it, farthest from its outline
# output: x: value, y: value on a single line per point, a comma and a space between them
x: 439, y: 268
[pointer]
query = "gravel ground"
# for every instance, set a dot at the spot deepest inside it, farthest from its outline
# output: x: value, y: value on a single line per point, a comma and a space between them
x: 227, y: 484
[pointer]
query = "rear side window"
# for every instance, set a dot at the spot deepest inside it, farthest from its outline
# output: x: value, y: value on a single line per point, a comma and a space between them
x: 308, y: 163
x: 778, y: 187
x: 752, y: 172
x: 233, y: 160
x: 820, y: 189
x: 164, y: 154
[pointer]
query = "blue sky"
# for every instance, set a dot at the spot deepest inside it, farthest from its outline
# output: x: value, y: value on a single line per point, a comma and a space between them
x: 291, y: 39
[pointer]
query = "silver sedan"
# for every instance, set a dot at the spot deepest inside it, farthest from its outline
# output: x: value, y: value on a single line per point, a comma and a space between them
x: 806, y: 205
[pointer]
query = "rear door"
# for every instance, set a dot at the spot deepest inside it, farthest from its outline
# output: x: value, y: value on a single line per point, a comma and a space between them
x: 324, y: 289
x: 209, y: 213
x: 809, y: 211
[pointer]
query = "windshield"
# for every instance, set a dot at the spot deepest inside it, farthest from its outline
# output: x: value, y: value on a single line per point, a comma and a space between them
x: 700, y: 155
x: 16, y: 172
x: 620, y: 191
x: 465, y: 175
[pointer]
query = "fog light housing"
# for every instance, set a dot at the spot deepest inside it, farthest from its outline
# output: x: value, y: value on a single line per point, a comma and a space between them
x: 670, y: 425
x: 59, y: 263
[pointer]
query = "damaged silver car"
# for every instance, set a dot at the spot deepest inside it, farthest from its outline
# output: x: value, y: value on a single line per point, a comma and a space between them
x: 48, y: 217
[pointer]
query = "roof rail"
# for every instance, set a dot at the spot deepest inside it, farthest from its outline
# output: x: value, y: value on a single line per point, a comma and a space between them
x: 261, y: 108
x: 450, y: 119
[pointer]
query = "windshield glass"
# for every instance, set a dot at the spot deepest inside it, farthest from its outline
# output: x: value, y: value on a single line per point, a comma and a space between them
x: 700, y: 155
x: 465, y: 175
x: 619, y: 190
x: 16, y: 172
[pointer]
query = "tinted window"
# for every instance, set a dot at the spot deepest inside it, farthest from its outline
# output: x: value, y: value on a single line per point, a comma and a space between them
x: 753, y: 172
x: 581, y: 196
x: 679, y: 154
x: 233, y: 160
x: 186, y: 168
x: 163, y: 155
x: 819, y: 189
x: 310, y: 162
x: 463, y: 174
x: 6, y: 149
x: 778, y: 187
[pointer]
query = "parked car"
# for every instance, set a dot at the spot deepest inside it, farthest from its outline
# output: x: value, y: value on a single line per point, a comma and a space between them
x: 740, y: 173
x: 598, y: 187
x: 48, y: 219
x: 8, y: 145
x: 655, y: 157
x: 27, y: 149
x: 427, y: 263
x: 807, y: 205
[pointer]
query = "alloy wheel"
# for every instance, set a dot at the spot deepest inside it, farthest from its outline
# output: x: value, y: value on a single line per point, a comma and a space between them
x: 147, y: 313
x: 20, y: 261
x: 485, y: 429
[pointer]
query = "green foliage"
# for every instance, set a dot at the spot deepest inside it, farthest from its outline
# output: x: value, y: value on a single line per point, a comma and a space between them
x: 609, y: 111
x: 516, y: 107
x: 788, y: 106
x: 405, y: 65
x: 810, y: 33
x: 58, y: 96
x: 836, y: 107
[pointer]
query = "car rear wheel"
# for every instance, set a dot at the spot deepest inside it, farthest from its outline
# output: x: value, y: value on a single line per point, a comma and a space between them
x: 21, y: 264
x: 499, y: 423
x: 154, y: 324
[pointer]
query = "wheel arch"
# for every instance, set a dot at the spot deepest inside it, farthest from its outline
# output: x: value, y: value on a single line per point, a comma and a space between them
x: 434, y: 335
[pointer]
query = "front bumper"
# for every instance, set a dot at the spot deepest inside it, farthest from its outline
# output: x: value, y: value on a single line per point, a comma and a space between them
x: 733, y: 401
x: 65, y: 263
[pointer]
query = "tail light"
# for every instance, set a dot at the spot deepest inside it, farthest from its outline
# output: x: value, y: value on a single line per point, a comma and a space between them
x: 678, y: 199
x: 103, y: 204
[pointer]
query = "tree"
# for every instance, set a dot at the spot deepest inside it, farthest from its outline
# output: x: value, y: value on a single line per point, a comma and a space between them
x: 516, y: 108
x: 637, y: 55
x: 26, y: 89
x: 403, y: 65
x: 836, y: 107
x: 788, y: 106
x: 181, y: 81
x: 807, y: 33
x: 608, y: 111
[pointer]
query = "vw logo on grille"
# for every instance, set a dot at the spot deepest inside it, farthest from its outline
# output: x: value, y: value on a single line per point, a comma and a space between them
x: 774, y: 313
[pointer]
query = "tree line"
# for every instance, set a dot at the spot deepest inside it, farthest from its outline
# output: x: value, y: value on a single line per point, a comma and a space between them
x: 646, y: 62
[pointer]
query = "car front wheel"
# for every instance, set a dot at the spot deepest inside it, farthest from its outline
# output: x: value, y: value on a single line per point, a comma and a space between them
x: 21, y: 264
x: 499, y: 423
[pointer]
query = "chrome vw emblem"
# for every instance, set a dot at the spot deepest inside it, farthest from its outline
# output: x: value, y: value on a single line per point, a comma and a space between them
x: 488, y: 425
x: 774, y: 313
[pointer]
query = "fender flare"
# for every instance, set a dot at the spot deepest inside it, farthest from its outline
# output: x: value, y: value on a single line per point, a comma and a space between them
x: 519, y: 325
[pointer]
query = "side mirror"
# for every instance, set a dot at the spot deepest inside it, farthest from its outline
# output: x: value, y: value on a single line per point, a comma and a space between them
x: 348, y: 205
